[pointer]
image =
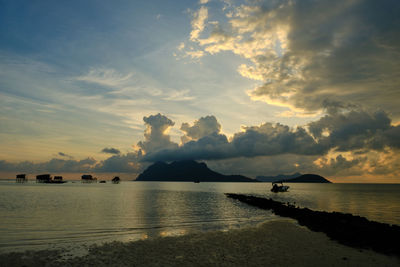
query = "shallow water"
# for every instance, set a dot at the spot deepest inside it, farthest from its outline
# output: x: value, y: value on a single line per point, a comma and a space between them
x: 41, y: 216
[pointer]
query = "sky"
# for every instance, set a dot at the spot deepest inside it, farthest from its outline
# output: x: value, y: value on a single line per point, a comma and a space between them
x: 249, y: 87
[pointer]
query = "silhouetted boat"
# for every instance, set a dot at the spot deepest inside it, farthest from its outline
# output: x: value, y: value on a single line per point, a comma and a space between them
x: 102, y: 182
x: 279, y: 187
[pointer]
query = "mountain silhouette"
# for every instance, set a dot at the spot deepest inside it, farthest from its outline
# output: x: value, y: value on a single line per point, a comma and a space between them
x: 187, y: 171
x: 278, y: 177
x: 307, y: 178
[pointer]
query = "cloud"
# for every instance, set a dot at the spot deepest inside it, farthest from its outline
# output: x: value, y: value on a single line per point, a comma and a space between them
x: 311, y: 54
x: 195, y: 54
x: 53, y: 165
x: 181, y: 95
x: 117, y: 163
x: 198, y: 22
x: 214, y: 146
x: 105, y: 77
x: 64, y: 155
x: 156, y: 134
x: 355, y: 130
x: 120, y: 163
x: 343, y: 143
x: 345, y: 131
x: 275, y: 139
x: 111, y: 150
x: 202, y: 127
x: 340, y: 164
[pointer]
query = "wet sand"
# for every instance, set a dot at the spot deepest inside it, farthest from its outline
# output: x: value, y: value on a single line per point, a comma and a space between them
x: 275, y: 243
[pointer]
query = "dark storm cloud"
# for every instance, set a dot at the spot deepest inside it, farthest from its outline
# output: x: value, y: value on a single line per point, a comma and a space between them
x: 111, y: 150
x: 274, y: 139
x: 344, y: 52
x: 350, y: 50
x: 355, y: 130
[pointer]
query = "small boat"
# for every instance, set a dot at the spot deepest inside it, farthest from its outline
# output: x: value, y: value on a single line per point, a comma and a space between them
x: 116, y: 180
x: 102, y: 182
x: 279, y: 187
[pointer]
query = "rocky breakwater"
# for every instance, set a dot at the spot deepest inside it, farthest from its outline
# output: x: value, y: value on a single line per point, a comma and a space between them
x: 354, y: 231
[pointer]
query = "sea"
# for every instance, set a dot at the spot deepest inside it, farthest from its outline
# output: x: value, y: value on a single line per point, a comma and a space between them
x: 73, y: 216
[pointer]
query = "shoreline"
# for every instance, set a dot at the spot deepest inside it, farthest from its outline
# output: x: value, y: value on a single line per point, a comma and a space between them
x: 275, y: 243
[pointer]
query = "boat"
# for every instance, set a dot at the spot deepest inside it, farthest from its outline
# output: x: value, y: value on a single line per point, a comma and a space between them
x: 279, y: 187
x: 116, y: 180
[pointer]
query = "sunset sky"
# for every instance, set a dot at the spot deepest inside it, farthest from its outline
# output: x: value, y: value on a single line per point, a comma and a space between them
x: 250, y: 87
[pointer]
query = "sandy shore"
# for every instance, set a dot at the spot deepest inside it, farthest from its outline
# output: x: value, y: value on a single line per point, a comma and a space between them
x: 275, y: 243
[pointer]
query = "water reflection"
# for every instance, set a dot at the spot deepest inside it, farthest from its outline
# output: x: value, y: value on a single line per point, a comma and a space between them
x: 379, y: 202
x: 41, y: 215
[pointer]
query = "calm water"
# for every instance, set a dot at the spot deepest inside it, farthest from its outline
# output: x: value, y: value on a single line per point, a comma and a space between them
x: 38, y: 216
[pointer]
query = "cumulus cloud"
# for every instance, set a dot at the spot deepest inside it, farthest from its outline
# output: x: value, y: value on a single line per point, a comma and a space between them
x: 202, y: 127
x: 214, y: 146
x: 344, y: 131
x: 156, y: 134
x: 111, y: 150
x: 354, y: 142
x: 310, y: 54
x: 355, y: 130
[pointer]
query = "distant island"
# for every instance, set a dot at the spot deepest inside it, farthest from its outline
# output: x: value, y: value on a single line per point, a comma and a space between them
x: 187, y: 171
x: 278, y: 177
x: 294, y: 178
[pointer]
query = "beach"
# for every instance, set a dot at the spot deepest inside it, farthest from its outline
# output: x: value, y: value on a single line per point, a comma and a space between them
x: 275, y: 243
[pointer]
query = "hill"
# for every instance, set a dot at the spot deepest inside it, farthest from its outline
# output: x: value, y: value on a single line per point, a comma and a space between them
x: 307, y: 178
x: 187, y: 171
x: 279, y: 177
